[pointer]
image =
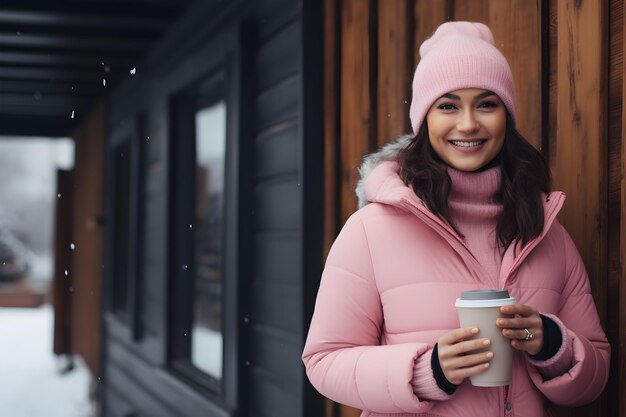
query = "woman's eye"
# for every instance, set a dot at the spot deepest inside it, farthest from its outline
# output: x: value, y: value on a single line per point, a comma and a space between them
x: 488, y: 105
x: 446, y: 106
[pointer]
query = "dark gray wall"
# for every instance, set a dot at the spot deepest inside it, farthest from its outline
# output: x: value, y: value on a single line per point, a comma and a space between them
x: 276, y: 48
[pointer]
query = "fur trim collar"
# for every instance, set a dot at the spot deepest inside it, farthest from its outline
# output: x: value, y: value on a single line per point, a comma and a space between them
x: 388, y: 152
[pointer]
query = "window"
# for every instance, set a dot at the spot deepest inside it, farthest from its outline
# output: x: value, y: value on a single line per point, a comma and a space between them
x: 210, y: 146
x: 121, y: 213
x: 126, y: 208
x: 198, y: 342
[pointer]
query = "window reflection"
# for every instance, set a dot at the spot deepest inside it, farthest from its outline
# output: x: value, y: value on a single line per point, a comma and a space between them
x: 210, y: 149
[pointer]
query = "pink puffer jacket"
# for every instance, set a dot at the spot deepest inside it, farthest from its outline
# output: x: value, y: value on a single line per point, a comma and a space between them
x: 388, y: 292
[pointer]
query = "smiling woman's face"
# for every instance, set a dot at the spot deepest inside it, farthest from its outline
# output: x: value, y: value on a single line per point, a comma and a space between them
x: 467, y: 127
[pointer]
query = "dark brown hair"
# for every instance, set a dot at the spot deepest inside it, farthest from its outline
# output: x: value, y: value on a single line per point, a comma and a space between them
x: 525, y: 176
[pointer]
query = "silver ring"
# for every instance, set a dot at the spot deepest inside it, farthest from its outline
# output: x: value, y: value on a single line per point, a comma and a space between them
x: 529, y: 335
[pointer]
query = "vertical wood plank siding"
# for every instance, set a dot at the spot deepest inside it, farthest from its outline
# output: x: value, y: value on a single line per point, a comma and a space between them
x: 60, y: 288
x: 86, y: 259
x: 567, y: 62
x: 427, y: 15
x: 615, y: 60
x: 356, y: 96
x: 619, y: 396
x: 581, y: 143
x: 395, y: 69
x: 473, y: 11
x: 553, y: 78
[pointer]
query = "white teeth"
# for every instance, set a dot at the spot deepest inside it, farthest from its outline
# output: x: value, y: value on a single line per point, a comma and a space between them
x: 467, y: 144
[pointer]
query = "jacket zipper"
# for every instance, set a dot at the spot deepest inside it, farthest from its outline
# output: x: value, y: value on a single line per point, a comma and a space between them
x: 508, y: 405
x: 447, y: 233
x: 550, y: 216
x: 444, y: 230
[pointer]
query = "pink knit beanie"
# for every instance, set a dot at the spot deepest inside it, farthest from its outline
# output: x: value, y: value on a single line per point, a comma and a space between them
x: 459, y: 55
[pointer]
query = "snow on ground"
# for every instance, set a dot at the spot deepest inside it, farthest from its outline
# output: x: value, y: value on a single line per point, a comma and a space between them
x: 30, y: 383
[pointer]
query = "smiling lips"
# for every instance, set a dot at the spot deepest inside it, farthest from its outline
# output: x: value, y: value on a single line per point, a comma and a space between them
x: 468, y: 145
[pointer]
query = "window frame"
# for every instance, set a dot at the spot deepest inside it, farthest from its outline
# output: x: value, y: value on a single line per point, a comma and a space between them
x: 223, y: 392
x: 126, y: 137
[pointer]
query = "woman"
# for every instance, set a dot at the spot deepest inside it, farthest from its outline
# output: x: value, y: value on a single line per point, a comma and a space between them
x: 464, y: 204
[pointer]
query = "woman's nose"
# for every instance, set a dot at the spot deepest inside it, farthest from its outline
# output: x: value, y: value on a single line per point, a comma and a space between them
x: 467, y: 122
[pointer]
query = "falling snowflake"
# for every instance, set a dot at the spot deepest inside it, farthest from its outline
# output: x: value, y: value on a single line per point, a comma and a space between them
x: 133, y: 71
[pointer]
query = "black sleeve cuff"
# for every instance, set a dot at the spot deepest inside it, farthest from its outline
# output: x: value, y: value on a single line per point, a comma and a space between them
x: 552, y: 340
x: 442, y: 382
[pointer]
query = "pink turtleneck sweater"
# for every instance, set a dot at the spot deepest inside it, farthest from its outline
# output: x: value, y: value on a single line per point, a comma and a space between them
x: 474, y: 212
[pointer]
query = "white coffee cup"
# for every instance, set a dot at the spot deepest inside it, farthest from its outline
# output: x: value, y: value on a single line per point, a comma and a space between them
x: 481, y: 308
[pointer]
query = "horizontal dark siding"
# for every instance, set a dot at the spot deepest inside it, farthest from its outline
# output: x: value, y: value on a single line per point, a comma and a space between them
x: 274, y: 350
x: 277, y: 205
x: 143, y: 383
x: 276, y: 279
x: 153, y: 265
x: 271, y: 276
x: 143, y: 402
x: 153, y: 298
x: 155, y: 228
x: 278, y: 104
x: 275, y: 153
x: 277, y: 58
x: 276, y: 306
x: 116, y: 404
x: 275, y: 15
x: 271, y: 251
x: 272, y: 400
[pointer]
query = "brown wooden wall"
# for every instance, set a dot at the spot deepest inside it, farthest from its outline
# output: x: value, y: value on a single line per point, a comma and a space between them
x: 567, y: 61
x: 86, y: 259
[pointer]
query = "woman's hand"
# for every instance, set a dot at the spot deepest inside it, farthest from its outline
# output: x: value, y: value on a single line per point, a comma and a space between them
x: 455, y: 354
x: 525, y: 329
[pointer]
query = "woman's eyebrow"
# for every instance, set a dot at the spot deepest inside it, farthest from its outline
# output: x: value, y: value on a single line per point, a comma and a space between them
x: 483, y: 95
x: 451, y: 96
x: 478, y: 97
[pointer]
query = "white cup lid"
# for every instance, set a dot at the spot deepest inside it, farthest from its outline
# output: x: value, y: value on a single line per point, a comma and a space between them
x: 484, y: 298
